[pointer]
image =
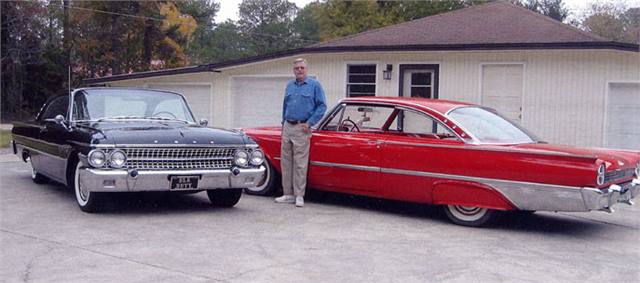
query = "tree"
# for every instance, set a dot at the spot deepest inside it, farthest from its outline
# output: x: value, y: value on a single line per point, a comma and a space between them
x: 338, y: 18
x: 616, y: 23
x: 306, y: 26
x: 267, y: 25
x: 554, y: 9
x: 226, y: 42
x: 204, y: 12
x: 30, y: 55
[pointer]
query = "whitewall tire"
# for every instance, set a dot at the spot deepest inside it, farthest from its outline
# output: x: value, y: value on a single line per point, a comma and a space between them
x: 470, y: 215
x: 87, y: 201
x: 268, y: 184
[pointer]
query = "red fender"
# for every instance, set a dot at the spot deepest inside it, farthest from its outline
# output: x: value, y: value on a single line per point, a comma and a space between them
x: 469, y: 194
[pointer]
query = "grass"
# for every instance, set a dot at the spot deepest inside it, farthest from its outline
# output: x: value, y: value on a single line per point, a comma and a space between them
x: 5, y: 138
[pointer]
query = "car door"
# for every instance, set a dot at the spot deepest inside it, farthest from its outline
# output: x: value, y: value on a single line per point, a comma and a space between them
x: 53, y: 147
x: 416, y: 150
x: 345, y: 152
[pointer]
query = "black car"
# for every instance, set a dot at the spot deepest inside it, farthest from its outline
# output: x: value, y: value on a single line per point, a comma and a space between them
x: 99, y: 140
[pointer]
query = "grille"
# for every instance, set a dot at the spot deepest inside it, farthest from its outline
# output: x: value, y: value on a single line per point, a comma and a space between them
x: 616, y: 175
x: 179, y: 158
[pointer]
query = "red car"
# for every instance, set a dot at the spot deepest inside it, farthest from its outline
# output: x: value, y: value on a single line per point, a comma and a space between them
x: 465, y: 157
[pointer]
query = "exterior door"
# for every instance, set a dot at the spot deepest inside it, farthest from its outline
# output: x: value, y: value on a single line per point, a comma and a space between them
x: 418, y: 83
x: 419, y: 80
x: 502, y: 88
x: 53, y: 158
x: 622, y: 121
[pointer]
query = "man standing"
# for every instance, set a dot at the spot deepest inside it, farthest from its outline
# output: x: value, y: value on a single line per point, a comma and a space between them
x: 304, y: 105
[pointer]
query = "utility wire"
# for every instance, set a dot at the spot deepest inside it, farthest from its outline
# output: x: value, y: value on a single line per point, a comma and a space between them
x: 162, y: 20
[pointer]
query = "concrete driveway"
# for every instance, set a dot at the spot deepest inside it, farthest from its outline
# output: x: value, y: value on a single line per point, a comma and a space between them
x: 334, y: 238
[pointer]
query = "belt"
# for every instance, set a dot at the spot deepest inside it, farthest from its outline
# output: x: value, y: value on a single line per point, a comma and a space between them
x: 295, y: 122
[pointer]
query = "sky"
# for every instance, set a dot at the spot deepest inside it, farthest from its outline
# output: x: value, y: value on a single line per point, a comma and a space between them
x: 229, y: 8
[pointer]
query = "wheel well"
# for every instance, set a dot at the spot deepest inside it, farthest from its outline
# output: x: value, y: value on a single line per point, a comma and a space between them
x: 469, y: 194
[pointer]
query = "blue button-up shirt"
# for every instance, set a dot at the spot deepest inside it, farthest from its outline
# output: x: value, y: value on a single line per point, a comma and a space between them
x: 304, y: 101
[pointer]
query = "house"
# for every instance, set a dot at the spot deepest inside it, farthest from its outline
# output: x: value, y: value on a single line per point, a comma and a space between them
x: 566, y: 85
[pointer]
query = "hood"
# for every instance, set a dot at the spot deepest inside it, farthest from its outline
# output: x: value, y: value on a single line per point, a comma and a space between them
x: 164, y: 132
x: 614, y: 159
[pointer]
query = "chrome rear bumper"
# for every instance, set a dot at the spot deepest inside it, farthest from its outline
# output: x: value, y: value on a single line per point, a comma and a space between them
x: 596, y: 199
x: 121, y: 180
x: 542, y: 197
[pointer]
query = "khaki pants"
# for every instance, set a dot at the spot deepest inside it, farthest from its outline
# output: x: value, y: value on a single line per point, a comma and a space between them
x: 294, y: 159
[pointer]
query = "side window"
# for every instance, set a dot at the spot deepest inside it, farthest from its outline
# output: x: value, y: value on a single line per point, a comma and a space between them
x: 58, y: 106
x: 414, y: 123
x: 359, y: 118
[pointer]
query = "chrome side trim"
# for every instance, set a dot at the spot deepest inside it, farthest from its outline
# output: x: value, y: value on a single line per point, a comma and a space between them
x: 523, y: 195
x: 41, y: 152
x: 488, y: 149
x: 347, y: 166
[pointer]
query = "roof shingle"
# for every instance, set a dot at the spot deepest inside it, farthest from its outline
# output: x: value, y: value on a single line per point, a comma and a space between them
x: 493, y: 23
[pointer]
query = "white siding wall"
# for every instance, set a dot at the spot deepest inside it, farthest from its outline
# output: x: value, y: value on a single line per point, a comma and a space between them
x: 564, y: 90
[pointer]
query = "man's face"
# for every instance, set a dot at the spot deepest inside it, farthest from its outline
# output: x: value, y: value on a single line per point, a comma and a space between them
x: 300, y: 70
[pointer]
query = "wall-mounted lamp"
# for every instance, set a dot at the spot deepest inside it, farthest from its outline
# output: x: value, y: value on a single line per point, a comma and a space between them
x: 386, y: 73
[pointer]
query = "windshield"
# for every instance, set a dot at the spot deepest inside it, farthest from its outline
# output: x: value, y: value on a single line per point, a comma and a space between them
x: 488, y: 126
x: 103, y: 104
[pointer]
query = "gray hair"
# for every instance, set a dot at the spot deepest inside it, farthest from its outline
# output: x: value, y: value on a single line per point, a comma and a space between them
x: 300, y: 60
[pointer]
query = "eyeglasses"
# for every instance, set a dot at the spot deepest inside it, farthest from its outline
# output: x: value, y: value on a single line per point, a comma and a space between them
x: 298, y: 68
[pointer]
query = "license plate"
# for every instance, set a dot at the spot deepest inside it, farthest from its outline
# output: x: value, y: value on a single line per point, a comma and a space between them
x: 184, y: 182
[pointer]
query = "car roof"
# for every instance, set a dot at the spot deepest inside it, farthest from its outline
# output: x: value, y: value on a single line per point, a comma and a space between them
x: 439, y: 105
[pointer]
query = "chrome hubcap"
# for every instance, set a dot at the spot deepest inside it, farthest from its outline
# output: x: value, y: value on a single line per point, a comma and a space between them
x: 467, y: 213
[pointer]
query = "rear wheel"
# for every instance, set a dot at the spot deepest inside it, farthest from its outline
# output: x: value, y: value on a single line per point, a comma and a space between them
x: 268, y: 184
x: 35, y: 176
x: 470, y: 215
x: 87, y: 201
x: 224, y: 197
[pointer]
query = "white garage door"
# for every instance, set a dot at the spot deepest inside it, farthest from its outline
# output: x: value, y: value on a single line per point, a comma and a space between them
x: 502, y: 89
x: 257, y: 101
x: 198, y: 96
x: 622, y: 122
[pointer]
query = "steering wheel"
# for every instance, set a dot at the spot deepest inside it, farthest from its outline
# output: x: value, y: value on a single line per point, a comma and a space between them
x: 159, y: 114
x: 350, y: 125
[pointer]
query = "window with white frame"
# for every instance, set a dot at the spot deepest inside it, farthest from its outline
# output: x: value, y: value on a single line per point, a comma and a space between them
x: 361, y: 80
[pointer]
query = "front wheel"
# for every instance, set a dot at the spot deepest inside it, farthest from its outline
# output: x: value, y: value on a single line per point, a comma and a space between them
x: 268, y: 184
x: 224, y: 197
x: 470, y: 215
x: 87, y: 201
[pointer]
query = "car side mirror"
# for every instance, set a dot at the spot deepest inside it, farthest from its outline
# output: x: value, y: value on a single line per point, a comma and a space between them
x: 60, y: 120
x: 204, y: 122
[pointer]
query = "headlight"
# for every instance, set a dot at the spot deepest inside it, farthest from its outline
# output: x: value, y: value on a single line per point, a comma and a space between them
x: 257, y: 157
x: 241, y: 158
x: 97, y: 158
x: 600, y: 179
x: 117, y: 159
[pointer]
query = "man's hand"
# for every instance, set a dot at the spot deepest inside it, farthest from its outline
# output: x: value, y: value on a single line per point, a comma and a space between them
x: 305, y: 128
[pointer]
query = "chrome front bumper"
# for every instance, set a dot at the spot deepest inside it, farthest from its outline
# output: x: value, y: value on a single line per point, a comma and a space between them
x: 121, y: 180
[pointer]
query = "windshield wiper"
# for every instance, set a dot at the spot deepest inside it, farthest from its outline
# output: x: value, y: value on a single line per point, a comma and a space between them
x: 119, y: 118
x: 167, y: 119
